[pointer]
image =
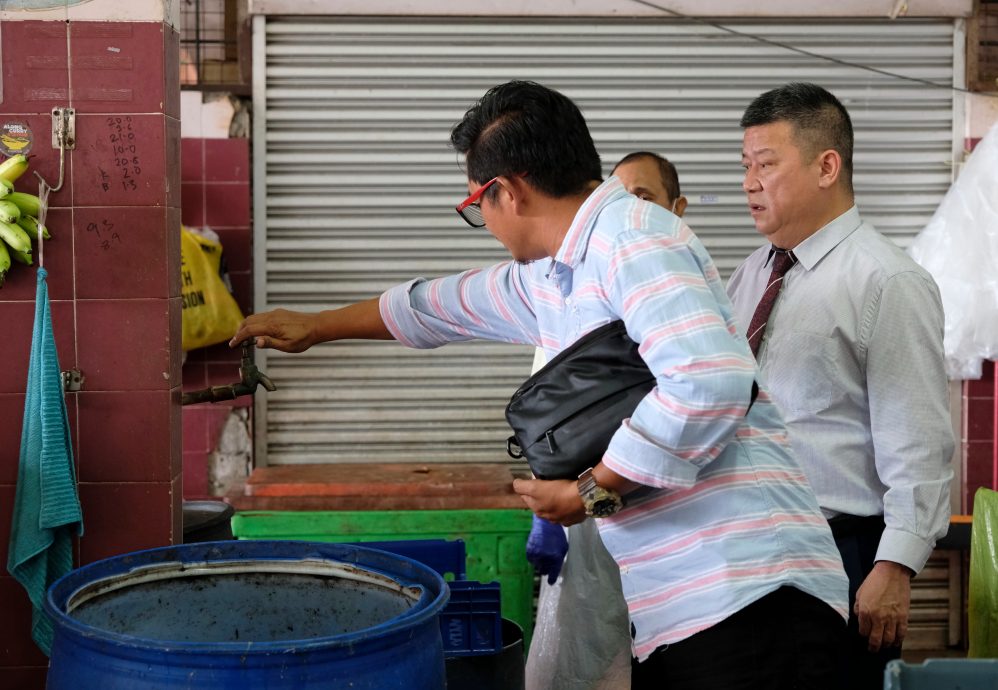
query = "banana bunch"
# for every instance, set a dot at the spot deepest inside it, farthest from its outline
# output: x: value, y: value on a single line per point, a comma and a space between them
x: 18, y: 217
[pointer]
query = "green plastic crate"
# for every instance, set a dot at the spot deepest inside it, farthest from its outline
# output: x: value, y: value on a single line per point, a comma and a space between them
x: 495, y: 541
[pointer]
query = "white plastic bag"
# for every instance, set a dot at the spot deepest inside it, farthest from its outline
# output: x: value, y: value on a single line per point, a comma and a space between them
x: 959, y: 247
x: 582, y: 636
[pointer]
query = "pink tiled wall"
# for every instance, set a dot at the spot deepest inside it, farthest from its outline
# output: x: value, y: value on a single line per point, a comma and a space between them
x: 215, y: 192
x: 113, y: 265
x: 978, y: 435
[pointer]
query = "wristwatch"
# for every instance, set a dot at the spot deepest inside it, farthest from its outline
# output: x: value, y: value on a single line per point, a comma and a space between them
x: 599, y: 502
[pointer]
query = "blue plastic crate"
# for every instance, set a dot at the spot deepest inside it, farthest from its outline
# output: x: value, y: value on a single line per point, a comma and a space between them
x: 471, y: 623
x: 446, y: 557
x: 942, y: 674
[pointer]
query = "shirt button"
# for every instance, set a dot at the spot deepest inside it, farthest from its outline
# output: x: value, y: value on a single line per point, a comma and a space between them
x: 568, y: 300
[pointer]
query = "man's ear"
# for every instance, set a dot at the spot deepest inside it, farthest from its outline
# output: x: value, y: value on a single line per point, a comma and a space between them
x: 829, y: 168
x: 680, y: 206
x: 516, y: 193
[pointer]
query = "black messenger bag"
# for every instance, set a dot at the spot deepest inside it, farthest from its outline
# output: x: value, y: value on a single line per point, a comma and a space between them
x: 564, y: 416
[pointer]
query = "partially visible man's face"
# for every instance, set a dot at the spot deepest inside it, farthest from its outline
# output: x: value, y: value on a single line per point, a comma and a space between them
x: 780, y: 185
x: 503, y: 225
x: 642, y: 178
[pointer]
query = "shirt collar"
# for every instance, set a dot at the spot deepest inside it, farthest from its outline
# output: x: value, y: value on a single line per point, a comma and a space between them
x: 573, y: 247
x: 814, y: 248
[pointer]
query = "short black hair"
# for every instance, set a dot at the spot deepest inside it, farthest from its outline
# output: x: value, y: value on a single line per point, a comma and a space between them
x: 670, y: 178
x: 522, y: 127
x: 820, y: 122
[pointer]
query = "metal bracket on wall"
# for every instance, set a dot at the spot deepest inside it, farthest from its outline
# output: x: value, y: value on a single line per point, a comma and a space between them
x: 63, y: 137
x: 72, y: 380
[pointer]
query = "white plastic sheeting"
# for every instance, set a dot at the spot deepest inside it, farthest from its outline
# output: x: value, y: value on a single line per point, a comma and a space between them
x: 959, y: 247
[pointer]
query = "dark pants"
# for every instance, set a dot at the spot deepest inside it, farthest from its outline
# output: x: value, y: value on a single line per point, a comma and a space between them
x: 857, y: 539
x: 787, y: 639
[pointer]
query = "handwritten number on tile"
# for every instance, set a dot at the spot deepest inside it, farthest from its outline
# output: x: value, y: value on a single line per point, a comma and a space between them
x: 127, y: 163
x: 105, y: 233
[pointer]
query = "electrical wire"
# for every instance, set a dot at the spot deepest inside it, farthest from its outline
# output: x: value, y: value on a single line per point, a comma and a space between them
x: 808, y: 53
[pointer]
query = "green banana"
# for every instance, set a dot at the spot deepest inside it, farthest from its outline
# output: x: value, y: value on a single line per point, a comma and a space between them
x: 6, y: 187
x: 4, y: 262
x: 14, y: 236
x: 31, y: 226
x: 28, y: 203
x: 13, y: 167
x: 9, y: 213
x: 21, y: 257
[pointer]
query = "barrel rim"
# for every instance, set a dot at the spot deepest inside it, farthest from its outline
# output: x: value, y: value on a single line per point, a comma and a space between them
x: 381, y: 562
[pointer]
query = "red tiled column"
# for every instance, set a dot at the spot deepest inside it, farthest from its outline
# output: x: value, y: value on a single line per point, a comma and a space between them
x: 978, y: 435
x: 113, y: 264
x: 215, y: 191
x: 126, y: 198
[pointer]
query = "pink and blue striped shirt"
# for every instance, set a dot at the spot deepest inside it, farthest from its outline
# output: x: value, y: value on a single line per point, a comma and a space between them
x: 726, y: 515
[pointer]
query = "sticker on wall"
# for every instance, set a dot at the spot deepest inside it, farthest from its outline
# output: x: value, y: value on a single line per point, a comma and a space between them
x: 15, y: 137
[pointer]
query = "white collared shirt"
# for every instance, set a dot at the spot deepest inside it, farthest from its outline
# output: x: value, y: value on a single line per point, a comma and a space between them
x: 853, y: 357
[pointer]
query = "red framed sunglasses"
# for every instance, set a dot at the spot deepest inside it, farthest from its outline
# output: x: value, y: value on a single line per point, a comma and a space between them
x: 471, y: 208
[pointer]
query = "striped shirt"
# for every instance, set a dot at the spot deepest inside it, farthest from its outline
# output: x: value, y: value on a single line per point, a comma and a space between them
x: 726, y: 515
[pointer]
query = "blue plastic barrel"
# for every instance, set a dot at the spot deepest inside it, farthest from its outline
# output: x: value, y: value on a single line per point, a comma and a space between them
x: 248, y: 615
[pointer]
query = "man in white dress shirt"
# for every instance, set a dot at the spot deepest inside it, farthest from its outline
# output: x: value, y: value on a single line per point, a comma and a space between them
x: 851, y: 352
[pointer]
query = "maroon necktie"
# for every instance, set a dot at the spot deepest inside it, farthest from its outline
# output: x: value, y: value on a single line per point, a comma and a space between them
x: 783, y: 260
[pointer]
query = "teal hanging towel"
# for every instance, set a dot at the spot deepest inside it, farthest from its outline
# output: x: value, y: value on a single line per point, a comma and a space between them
x: 46, y: 506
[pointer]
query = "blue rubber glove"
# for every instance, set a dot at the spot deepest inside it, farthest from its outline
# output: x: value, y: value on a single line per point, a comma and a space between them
x: 546, y: 548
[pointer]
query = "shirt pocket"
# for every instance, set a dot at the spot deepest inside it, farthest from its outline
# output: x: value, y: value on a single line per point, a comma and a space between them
x: 801, y: 373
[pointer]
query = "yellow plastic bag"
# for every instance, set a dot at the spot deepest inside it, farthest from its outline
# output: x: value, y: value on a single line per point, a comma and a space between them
x: 982, y: 601
x: 211, y: 315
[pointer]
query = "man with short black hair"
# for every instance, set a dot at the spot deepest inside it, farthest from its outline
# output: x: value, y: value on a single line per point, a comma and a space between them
x: 729, y: 570
x: 584, y: 640
x: 847, y: 330
x: 653, y: 178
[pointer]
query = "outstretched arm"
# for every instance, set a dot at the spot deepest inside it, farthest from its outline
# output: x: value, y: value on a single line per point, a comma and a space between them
x: 294, y: 331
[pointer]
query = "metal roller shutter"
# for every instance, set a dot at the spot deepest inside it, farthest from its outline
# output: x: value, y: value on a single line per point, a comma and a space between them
x: 355, y: 183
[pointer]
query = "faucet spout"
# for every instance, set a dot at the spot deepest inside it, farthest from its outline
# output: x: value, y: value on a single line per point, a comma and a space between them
x: 249, y: 378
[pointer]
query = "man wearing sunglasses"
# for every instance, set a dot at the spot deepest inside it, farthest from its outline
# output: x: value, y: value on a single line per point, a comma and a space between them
x: 729, y: 570
x: 588, y: 643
